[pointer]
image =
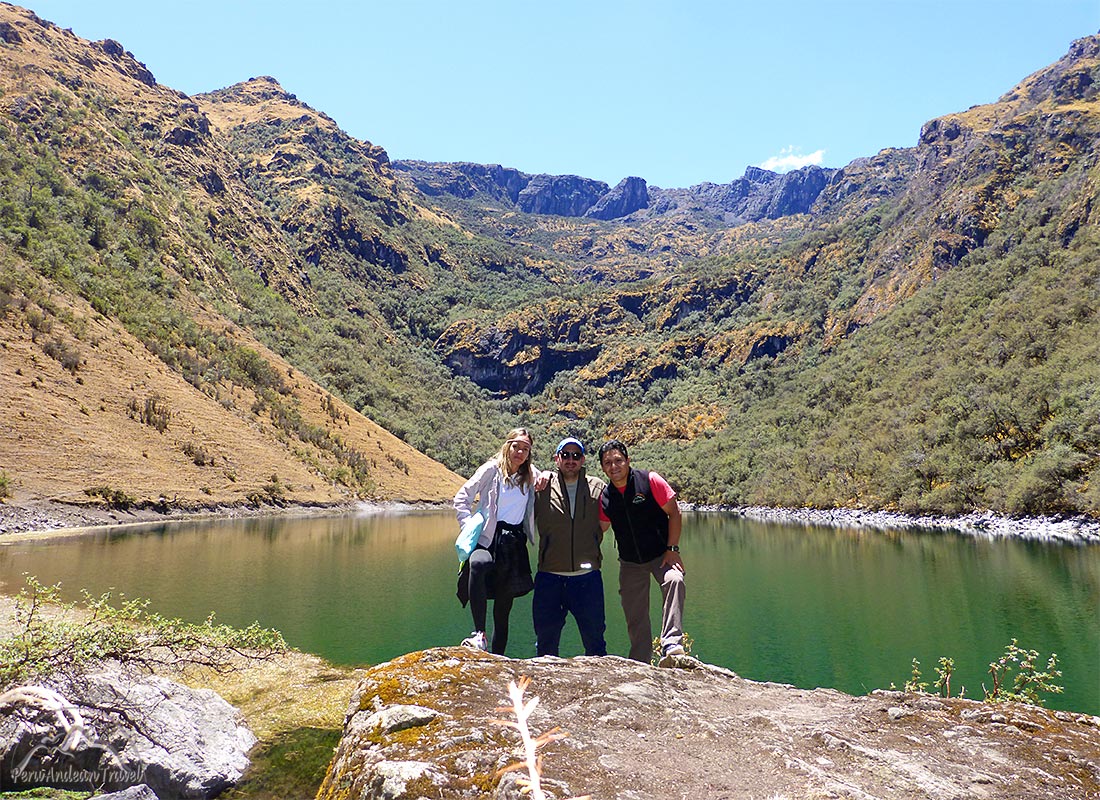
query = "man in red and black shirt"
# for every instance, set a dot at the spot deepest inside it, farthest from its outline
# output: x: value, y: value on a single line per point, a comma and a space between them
x: 641, y: 507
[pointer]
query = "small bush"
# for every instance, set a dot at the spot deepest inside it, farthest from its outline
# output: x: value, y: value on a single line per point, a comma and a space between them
x: 197, y: 453
x: 5, y: 485
x: 655, y: 657
x: 1029, y: 679
x: 154, y: 412
x: 113, y: 498
x: 63, y: 353
x: 39, y: 321
x: 273, y: 492
x: 1025, y: 685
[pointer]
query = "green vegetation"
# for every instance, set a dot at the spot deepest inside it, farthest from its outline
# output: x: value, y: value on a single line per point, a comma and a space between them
x: 974, y: 393
x: 1028, y: 680
x: 154, y: 412
x: 273, y: 492
x: 655, y: 656
x: 93, y: 630
x: 112, y: 498
x: 5, y: 485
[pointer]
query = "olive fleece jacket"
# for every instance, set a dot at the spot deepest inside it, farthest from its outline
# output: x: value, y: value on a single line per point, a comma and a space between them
x: 566, y: 541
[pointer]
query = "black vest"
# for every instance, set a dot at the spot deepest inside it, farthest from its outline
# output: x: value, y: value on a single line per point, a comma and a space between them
x: 641, y: 526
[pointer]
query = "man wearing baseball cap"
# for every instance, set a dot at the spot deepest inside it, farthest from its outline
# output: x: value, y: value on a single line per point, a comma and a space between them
x: 569, y: 581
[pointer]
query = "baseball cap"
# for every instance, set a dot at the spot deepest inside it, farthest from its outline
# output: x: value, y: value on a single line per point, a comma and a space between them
x: 569, y: 440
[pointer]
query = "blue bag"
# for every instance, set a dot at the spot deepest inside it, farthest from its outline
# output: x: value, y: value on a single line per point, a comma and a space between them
x: 468, y: 536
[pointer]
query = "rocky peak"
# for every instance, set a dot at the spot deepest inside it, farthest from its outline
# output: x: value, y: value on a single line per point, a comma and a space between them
x: 126, y: 63
x: 630, y: 195
x: 564, y: 195
x: 797, y: 191
x: 258, y: 90
x: 759, y: 175
x: 759, y: 194
x: 464, y: 179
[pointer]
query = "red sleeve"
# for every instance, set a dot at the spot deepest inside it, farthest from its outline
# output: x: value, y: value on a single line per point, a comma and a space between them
x: 660, y: 489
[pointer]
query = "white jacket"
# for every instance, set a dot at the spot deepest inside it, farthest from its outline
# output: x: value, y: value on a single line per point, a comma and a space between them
x: 485, y: 486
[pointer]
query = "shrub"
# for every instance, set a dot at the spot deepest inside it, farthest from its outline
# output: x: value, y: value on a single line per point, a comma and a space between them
x: 94, y: 630
x: 197, y: 453
x: 154, y: 412
x: 39, y: 321
x: 1029, y: 680
x: 5, y: 485
x: 113, y: 498
x: 273, y: 492
x: 63, y: 353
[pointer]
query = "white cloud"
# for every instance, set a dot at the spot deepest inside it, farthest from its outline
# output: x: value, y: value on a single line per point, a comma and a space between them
x: 790, y: 158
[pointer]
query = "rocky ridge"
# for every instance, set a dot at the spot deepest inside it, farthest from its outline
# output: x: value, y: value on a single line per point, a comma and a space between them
x: 759, y: 195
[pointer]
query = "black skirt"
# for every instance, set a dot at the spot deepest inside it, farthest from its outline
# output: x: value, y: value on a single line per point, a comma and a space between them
x: 511, y: 573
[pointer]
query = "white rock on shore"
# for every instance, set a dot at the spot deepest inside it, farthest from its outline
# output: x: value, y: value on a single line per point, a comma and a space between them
x: 1072, y: 530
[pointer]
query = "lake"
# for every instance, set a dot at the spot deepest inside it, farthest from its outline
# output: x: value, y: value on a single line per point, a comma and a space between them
x: 847, y: 609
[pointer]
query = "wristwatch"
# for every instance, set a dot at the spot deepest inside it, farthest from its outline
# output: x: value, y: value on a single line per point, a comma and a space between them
x: 675, y: 548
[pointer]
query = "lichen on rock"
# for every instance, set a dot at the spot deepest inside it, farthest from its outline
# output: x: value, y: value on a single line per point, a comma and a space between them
x: 635, y: 730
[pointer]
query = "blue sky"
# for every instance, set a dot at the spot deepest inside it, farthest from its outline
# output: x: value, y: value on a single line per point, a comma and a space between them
x: 677, y: 92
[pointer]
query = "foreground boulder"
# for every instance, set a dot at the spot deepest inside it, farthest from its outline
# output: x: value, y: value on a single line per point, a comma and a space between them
x: 423, y: 726
x: 140, y: 729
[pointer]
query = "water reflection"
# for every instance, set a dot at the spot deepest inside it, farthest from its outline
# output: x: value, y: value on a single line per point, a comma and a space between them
x: 808, y: 606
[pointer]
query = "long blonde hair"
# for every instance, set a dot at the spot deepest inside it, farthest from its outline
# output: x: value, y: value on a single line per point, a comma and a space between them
x: 525, y: 471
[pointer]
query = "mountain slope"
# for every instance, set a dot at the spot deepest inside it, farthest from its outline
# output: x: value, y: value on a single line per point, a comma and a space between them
x: 88, y: 407
x: 121, y: 207
x: 913, y: 331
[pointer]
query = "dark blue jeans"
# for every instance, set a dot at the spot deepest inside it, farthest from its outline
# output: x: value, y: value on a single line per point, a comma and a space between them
x: 579, y: 595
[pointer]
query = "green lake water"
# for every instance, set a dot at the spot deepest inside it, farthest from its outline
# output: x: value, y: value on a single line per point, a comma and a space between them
x: 847, y: 609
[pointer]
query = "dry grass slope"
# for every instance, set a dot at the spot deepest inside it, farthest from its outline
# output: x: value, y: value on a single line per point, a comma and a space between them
x: 64, y: 432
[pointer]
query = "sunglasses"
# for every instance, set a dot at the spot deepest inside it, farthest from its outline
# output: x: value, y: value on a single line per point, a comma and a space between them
x: 571, y: 455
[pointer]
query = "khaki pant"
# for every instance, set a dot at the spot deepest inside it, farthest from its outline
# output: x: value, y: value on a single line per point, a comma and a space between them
x: 634, y: 593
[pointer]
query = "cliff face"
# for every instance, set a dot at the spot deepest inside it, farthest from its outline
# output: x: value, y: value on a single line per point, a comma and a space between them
x: 759, y: 195
x: 424, y: 725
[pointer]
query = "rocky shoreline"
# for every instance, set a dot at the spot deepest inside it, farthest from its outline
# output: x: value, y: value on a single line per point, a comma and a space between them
x: 50, y: 517
x: 1061, y: 530
x: 43, y: 517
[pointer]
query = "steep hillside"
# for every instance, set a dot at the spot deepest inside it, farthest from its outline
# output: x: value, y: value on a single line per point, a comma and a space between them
x: 917, y: 330
x: 91, y: 415
x: 124, y: 225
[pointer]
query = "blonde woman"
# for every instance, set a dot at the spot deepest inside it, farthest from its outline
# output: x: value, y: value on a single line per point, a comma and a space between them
x: 499, y: 569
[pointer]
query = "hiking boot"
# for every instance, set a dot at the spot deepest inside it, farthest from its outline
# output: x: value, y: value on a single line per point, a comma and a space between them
x: 476, y: 640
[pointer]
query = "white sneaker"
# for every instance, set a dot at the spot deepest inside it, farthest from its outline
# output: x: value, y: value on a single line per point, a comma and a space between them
x: 669, y: 654
x: 476, y: 640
